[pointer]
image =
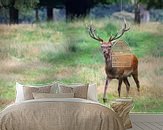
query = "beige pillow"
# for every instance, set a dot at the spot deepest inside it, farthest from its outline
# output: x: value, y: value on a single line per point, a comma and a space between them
x: 80, y: 91
x: 24, y: 92
x: 50, y: 95
x: 29, y: 90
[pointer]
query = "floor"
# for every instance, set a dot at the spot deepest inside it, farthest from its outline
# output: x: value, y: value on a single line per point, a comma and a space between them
x: 146, y: 121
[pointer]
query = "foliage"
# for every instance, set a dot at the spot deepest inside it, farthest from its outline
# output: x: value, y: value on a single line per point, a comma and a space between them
x: 153, y: 3
x: 52, y: 3
x: 19, y: 4
x: 149, y: 3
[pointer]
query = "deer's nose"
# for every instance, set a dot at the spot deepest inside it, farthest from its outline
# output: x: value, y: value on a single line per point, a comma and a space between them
x: 105, y: 51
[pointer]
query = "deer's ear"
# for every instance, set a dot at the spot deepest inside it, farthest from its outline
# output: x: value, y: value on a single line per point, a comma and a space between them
x: 113, y: 42
x: 110, y: 38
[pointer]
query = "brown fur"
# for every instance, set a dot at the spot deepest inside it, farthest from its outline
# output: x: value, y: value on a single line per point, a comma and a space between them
x: 119, y: 73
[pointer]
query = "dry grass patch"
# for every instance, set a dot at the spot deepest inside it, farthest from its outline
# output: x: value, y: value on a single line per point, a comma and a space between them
x: 150, y: 77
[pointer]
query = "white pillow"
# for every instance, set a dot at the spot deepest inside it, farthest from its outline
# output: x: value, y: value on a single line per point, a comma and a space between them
x: 92, y: 92
x: 22, y: 90
x: 19, y: 92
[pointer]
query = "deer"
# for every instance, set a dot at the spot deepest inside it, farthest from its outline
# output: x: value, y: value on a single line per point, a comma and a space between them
x: 119, y: 73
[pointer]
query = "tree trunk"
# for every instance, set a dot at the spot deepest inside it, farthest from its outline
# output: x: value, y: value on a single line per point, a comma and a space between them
x: 137, y: 13
x: 14, y: 15
x: 49, y: 13
x: 37, y: 15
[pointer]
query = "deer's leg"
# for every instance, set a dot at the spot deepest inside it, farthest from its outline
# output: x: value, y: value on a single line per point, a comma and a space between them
x: 119, y: 86
x: 135, y: 77
x: 105, y: 89
x: 125, y: 80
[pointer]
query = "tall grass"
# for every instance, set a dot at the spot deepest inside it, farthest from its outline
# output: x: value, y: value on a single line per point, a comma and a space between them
x: 46, y: 52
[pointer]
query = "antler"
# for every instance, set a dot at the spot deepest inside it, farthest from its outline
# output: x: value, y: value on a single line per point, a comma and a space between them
x: 124, y: 29
x: 92, y: 33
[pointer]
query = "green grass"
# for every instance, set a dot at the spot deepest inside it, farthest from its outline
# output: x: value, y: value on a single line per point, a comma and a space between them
x: 7, y: 90
x: 148, y: 104
x: 59, y: 51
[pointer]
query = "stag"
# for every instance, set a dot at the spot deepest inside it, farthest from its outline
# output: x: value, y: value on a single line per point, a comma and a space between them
x: 119, y: 73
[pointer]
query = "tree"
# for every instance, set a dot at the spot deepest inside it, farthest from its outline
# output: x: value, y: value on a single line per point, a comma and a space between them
x: 15, y: 5
x: 149, y: 4
x: 77, y: 8
x: 13, y: 12
x: 74, y: 8
x: 50, y: 4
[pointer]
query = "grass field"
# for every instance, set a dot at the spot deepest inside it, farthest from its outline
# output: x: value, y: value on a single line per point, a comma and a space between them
x: 46, y: 52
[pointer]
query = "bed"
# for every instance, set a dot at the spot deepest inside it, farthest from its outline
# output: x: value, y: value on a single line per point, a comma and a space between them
x: 64, y: 113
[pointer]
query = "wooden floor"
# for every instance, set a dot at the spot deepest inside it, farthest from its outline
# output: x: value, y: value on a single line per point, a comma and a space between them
x: 146, y: 121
